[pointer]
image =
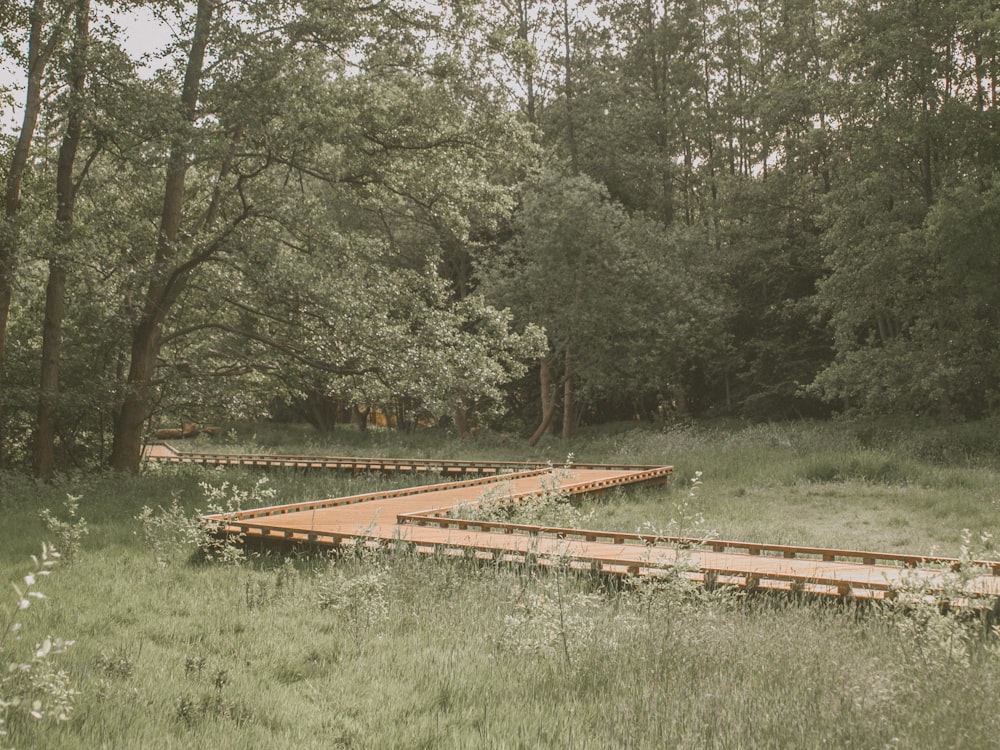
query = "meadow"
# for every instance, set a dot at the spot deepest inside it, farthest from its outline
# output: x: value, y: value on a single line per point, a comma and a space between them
x: 389, y: 650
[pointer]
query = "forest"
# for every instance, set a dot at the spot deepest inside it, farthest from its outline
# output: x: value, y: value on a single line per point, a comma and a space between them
x: 519, y: 215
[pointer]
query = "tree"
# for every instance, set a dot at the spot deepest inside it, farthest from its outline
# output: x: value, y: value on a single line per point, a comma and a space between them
x: 55, y: 290
x: 917, y: 133
x: 375, y: 118
x: 169, y: 273
x: 614, y: 294
x: 925, y: 341
x: 45, y: 25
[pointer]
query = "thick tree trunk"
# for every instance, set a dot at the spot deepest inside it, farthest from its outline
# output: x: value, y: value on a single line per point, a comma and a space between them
x: 126, y: 446
x: 43, y: 458
x: 548, y: 400
x: 360, y: 417
x: 168, y: 277
x: 462, y: 422
x: 39, y: 52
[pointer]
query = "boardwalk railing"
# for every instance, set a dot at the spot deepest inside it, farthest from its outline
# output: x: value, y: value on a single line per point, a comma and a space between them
x: 783, y: 551
x: 334, y: 502
x: 167, y: 453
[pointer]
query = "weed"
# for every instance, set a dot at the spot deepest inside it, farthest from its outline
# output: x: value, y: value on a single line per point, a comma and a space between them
x: 934, y: 633
x: 551, y: 506
x: 213, y: 702
x: 547, y: 616
x: 30, y: 682
x: 186, y: 711
x: 69, y: 532
x: 359, y: 592
x: 119, y: 662
x: 256, y: 594
x: 194, y: 665
x: 229, y: 497
x: 170, y: 531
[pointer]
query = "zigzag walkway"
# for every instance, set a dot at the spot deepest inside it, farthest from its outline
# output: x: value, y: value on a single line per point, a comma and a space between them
x: 424, y: 518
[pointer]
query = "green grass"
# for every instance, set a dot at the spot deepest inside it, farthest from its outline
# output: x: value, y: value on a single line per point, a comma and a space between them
x: 395, y: 652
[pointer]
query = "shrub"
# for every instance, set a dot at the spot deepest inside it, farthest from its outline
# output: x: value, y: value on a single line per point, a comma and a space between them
x: 172, y: 530
x: 69, y: 532
x: 552, y: 506
x: 358, y: 591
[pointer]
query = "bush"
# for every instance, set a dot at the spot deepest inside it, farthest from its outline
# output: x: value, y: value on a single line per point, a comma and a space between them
x: 69, y: 532
x: 551, y: 507
x: 172, y: 530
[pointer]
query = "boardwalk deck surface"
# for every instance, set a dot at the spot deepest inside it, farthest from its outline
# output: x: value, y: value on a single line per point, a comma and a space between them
x: 424, y: 518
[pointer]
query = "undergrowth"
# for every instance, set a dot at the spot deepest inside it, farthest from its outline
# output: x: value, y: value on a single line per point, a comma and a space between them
x: 550, y: 506
x: 171, y: 530
x: 388, y: 648
x: 31, y: 685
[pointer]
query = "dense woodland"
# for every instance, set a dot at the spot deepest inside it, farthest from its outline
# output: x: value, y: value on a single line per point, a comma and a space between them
x: 519, y: 214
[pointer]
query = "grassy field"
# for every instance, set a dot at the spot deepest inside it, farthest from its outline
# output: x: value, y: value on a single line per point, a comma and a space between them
x: 387, y: 651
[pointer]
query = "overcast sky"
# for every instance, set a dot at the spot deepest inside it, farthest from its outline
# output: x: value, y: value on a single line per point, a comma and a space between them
x: 142, y: 34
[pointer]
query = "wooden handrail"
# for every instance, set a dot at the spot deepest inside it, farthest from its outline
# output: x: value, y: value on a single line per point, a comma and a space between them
x: 785, y: 551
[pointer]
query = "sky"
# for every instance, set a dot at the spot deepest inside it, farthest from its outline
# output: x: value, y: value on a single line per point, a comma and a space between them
x: 142, y: 34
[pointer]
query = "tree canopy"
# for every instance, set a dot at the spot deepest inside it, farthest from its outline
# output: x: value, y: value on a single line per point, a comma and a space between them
x: 770, y: 208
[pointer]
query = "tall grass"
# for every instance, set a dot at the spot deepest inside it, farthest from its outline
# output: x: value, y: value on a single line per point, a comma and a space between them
x: 393, y: 651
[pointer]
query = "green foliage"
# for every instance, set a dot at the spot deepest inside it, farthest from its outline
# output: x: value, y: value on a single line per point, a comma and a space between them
x: 773, y: 210
x: 687, y: 520
x: 920, y: 339
x: 933, y: 633
x: 69, y: 531
x: 356, y: 588
x: 613, y: 292
x: 172, y: 531
x: 550, y: 613
x: 169, y: 531
x: 552, y: 506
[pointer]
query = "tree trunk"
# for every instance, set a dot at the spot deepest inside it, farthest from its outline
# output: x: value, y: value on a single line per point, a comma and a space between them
x: 39, y: 53
x: 574, y: 156
x: 462, y: 422
x: 43, y: 458
x: 569, y: 400
x: 523, y: 36
x: 548, y: 400
x: 167, y: 280
x: 360, y: 417
x: 126, y: 445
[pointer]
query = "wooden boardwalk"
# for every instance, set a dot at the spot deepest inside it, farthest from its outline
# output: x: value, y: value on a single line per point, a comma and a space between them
x: 428, y: 519
x: 166, y: 453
